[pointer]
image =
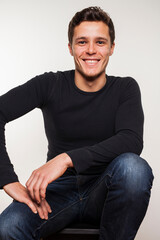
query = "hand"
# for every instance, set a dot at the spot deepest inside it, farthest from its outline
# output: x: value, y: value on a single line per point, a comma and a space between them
x: 18, y: 192
x: 40, y: 178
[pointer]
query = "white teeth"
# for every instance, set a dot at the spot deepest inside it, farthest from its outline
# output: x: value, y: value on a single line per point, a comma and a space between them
x: 91, y: 61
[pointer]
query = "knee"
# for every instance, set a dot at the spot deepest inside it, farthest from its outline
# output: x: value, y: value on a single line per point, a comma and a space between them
x: 135, y: 173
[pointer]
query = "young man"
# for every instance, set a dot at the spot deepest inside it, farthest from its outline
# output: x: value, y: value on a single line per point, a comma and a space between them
x: 94, y: 126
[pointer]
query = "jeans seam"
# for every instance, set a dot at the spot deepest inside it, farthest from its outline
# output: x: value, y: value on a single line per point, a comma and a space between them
x: 94, y: 186
x: 34, y: 234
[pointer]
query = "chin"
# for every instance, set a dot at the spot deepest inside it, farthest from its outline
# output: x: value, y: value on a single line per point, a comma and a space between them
x: 91, y: 76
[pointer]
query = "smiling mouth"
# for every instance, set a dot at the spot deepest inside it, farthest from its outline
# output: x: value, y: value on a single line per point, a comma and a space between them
x: 91, y: 62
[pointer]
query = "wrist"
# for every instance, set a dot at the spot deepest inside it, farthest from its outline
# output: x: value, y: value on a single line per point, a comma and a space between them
x: 68, y: 160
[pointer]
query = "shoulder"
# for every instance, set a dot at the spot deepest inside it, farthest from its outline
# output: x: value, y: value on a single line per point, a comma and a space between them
x: 125, y: 87
x: 49, y: 80
x: 53, y: 77
x: 51, y: 84
x: 123, y: 81
x: 122, y: 84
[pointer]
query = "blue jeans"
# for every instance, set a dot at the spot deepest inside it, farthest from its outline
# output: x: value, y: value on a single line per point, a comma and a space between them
x: 116, y: 200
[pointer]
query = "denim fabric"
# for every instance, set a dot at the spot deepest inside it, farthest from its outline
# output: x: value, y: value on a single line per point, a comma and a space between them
x: 116, y: 200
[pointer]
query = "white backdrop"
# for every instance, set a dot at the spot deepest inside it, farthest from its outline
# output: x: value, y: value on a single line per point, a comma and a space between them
x: 33, y: 40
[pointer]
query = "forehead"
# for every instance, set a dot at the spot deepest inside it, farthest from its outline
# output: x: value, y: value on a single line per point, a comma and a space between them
x: 91, y: 29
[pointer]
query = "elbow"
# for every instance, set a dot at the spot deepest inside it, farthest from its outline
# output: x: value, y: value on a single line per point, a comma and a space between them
x: 133, y: 143
x: 137, y: 145
x: 140, y: 147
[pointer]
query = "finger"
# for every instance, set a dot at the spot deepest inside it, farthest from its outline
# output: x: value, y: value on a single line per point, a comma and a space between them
x: 42, y: 209
x: 47, y: 206
x: 31, y: 186
x: 30, y: 179
x: 45, y: 210
x: 35, y: 174
x: 37, y: 190
x: 43, y: 187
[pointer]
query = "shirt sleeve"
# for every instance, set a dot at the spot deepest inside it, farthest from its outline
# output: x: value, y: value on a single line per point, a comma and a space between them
x: 13, y: 105
x: 128, y: 135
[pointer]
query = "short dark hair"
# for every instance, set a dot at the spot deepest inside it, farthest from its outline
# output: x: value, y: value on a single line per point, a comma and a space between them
x: 91, y: 14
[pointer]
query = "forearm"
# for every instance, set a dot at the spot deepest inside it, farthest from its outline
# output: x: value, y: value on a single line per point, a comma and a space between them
x: 101, y: 154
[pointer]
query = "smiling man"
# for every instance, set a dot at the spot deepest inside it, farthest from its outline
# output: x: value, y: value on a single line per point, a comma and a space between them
x: 94, y: 126
x: 91, y: 48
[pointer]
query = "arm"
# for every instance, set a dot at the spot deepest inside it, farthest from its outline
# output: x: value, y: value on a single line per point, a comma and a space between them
x: 128, y: 135
x: 14, y: 104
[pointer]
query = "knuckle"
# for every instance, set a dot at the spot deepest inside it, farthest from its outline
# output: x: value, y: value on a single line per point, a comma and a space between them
x: 29, y: 188
x: 33, y: 172
x: 42, y: 189
x: 42, y: 175
x: 36, y: 173
x: 35, y: 189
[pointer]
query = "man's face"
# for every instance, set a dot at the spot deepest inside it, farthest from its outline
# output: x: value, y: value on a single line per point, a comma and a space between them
x: 91, y: 48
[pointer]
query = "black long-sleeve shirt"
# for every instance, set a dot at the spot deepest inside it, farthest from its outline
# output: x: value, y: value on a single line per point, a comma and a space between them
x: 91, y: 127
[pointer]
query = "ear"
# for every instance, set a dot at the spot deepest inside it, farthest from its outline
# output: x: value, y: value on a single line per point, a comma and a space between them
x: 112, y: 49
x: 70, y: 49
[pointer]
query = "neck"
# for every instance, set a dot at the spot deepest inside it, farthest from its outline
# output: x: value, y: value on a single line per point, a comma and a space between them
x: 90, y: 84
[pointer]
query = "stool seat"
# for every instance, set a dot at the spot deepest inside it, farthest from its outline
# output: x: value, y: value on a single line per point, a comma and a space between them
x: 76, y: 231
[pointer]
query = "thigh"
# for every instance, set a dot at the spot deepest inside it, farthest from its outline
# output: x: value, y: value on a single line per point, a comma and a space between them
x: 19, y: 221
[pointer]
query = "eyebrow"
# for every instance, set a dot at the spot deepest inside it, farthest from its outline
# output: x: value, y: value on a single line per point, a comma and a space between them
x: 97, y: 38
x: 79, y: 38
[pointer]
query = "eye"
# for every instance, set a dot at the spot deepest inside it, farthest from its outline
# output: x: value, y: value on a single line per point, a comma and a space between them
x: 81, y: 42
x: 100, y: 42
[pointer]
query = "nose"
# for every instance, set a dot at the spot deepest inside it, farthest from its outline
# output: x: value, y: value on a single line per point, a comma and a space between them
x: 91, y: 48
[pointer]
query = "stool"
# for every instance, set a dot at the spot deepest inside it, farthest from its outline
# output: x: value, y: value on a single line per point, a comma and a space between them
x: 76, y: 232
